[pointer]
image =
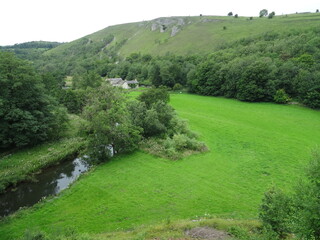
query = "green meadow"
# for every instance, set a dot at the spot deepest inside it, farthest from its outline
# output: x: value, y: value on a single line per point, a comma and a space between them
x: 252, y: 146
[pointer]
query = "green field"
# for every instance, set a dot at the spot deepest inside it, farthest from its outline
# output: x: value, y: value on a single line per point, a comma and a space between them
x: 252, y: 146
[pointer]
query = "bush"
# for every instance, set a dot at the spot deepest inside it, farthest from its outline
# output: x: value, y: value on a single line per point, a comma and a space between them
x: 312, y: 99
x: 177, y: 87
x: 276, y: 211
x: 307, y: 202
x: 281, y: 97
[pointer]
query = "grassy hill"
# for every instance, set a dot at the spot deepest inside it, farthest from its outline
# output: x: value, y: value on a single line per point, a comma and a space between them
x: 181, y: 35
x: 252, y: 146
x: 30, y: 50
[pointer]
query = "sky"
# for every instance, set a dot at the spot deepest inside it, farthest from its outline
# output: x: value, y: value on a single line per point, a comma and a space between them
x: 68, y: 20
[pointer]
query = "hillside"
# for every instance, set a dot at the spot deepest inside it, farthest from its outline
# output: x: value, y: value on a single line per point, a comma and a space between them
x: 30, y: 50
x: 181, y: 35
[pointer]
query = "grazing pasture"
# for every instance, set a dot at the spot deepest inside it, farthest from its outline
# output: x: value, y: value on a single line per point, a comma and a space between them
x: 252, y: 146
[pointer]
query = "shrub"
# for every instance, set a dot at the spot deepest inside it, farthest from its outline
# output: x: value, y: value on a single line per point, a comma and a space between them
x: 275, y: 211
x: 312, y: 99
x: 177, y: 87
x: 281, y: 97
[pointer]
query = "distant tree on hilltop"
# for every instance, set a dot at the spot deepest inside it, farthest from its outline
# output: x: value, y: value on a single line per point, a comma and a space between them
x: 230, y: 14
x: 271, y: 15
x: 263, y: 13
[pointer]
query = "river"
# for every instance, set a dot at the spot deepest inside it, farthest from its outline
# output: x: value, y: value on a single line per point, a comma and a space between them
x: 50, y: 182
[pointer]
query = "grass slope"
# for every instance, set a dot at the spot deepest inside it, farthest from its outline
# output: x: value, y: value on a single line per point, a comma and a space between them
x: 253, y: 145
x: 196, y: 35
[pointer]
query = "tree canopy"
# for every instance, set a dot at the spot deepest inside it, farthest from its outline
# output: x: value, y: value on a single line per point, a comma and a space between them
x: 27, y: 114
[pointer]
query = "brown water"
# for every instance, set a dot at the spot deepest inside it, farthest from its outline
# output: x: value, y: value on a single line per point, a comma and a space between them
x: 52, y: 181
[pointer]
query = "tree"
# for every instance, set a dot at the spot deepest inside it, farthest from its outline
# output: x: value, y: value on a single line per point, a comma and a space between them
x: 230, y: 14
x: 89, y: 79
x: 109, y: 126
x: 317, y: 10
x: 27, y: 114
x: 263, y: 13
x: 271, y: 15
x: 154, y: 95
x: 236, y: 15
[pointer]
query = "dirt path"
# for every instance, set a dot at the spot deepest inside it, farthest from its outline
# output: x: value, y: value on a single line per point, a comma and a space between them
x: 207, y: 233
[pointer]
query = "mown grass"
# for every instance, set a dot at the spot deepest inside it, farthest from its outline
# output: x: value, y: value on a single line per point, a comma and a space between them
x: 23, y: 164
x: 252, y: 146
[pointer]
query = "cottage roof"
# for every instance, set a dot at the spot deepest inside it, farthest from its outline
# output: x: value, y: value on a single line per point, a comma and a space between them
x: 132, y: 82
x: 115, y: 81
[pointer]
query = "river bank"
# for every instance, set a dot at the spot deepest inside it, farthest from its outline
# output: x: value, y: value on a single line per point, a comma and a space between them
x: 24, y: 164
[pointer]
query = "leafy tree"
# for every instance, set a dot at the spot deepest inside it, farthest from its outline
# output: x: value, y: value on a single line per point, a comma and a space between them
x: 230, y: 14
x: 73, y: 100
x: 256, y: 81
x: 89, y: 79
x: 27, y: 114
x: 53, y: 83
x: 154, y: 95
x: 109, y: 126
x: 154, y: 75
x: 236, y: 16
x: 271, y: 15
x: 263, y: 13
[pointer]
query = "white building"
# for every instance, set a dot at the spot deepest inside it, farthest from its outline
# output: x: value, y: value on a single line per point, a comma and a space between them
x: 118, y: 82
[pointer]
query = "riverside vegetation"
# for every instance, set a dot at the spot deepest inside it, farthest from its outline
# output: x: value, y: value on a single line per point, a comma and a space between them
x: 251, y: 145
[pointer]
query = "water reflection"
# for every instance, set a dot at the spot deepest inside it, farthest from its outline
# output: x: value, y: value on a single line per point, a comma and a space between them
x: 50, y: 182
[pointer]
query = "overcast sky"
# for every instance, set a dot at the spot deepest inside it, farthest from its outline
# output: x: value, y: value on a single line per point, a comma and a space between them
x: 67, y: 20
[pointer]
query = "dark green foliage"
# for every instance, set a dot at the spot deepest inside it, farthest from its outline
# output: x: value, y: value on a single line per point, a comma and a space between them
x: 312, y: 99
x: 53, y: 83
x: 230, y: 14
x: 154, y: 95
x: 276, y: 210
x: 254, y: 84
x: 177, y: 87
x: 86, y: 80
x: 271, y: 15
x: 27, y: 115
x: 236, y: 16
x: 73, y: 100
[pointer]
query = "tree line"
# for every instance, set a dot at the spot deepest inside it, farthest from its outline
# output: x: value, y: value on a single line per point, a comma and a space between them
x: 273, y: 67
